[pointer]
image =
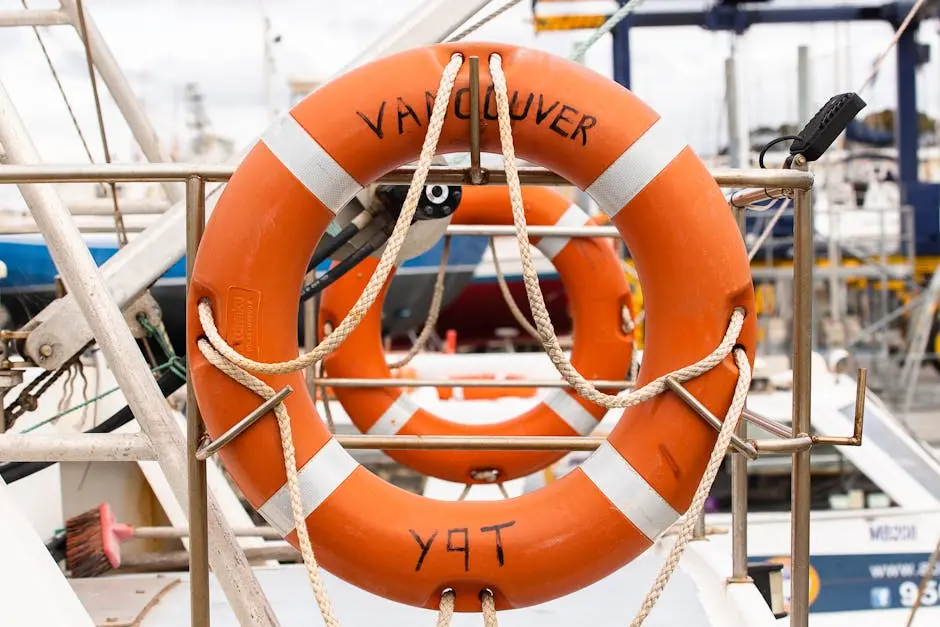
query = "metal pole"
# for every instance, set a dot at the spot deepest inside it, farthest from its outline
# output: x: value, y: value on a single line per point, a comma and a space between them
x: 93, y: 300
x: 33, y: 17
x: 739, y: 148
x: 196, y: 468
x: 75, y: 447
x: 802, y: 362
x: 472, y: 383
x: 123, y: 95
x: 773, y: 181
x: 476, y: 174
x: 739, y: 482
x: 310, y: 342
x: 521, y: 443
x: 803, y: 84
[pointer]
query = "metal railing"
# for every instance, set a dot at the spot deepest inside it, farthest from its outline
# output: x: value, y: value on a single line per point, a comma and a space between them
x: 799, y: 442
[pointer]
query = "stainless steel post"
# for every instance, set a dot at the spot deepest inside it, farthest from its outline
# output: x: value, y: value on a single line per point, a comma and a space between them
x: 91, y: 296
x: 739, y: 482
x: 310, y: 343
x: 196, y: 468
x: 804, y: 260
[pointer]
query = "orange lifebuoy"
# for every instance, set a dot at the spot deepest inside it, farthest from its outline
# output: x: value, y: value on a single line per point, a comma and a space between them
x: 602, y: 349
x: 689, y: 255
x: 460, y: 393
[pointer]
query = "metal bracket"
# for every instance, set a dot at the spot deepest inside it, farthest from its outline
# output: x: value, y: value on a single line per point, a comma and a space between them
x: 861, y: 389
x: 145, y: 305
x: 211, y: 448
x: 786, y: 443
x: 745, y: 448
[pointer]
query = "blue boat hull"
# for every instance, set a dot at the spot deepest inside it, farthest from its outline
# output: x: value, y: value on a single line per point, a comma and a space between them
x: 30, y: 282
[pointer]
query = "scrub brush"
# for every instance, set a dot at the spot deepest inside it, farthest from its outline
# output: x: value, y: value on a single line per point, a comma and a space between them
x: 92, y: 542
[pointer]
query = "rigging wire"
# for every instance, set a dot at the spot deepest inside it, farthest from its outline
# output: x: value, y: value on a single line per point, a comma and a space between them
x: 83, y: 33
x: 876, y: 66
x: 482, y: 21
x: 61, y: 87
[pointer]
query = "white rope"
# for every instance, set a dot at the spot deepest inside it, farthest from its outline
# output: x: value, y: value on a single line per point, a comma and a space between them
x: 290, y: 466
x: 581, y: 48
x: 767, y: 229
x: 543, y: 323
x: 507, y: 295
x: 489, y: 609
x: 434, y: 310
x: 386, y: 263
x: 446, y: 612
x: 732, y: 416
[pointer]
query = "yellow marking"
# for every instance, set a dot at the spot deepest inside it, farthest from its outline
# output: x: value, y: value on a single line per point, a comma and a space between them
x: 567, y: 22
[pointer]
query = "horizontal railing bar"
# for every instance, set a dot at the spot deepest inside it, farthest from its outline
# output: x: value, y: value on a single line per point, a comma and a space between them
x: 75, y: 447
x: 533, y: 231
x: 524, y: 443
x: 151, y: 172
x: 115, y: 172
x: 747, y: 197
x: 33, y: 17
x: 349, y: 382
x: 470, y: 443
x: 130, y: 447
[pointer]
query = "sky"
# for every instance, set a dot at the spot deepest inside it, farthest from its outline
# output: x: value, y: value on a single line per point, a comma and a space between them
x: 163, y: 44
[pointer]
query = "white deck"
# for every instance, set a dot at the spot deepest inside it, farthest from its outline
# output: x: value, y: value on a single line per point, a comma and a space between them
x: 611, y: 602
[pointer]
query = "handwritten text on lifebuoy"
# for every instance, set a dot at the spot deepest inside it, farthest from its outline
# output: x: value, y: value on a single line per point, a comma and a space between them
x: 402, y: 115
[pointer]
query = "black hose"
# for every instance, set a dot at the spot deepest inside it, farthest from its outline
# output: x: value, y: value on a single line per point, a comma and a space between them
x: 333, y: 274
x: 169, y: 382
x: 319, y: 256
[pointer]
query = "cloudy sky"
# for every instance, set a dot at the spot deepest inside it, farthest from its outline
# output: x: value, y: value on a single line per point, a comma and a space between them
x: 163, y: 44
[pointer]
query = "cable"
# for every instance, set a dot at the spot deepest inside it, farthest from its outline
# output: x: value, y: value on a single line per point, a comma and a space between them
x: 772, y: 143
x: 333, y: 274
x: 349, y: 231
x: 89, y: 61
x: 169, y: 382
x: 483, y: 21
x: 360, y: 221
x: 876, y: 66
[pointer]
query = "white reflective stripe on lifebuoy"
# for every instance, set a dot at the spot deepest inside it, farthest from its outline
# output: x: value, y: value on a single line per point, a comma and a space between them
x: 395, y: 417
x: 310, y: 163
x: 623, y: 486
x: 571, y: 411
x: 551, y: 246
x: 319, y: 478
x: 635, y: 168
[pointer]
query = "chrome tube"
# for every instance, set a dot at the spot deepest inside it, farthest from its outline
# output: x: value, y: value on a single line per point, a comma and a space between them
x: 195, y: 431
x: 802, y: 363
x: 739, y: 478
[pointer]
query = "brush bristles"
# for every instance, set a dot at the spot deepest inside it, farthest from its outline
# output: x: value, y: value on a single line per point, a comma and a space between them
x: 85, y: 552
